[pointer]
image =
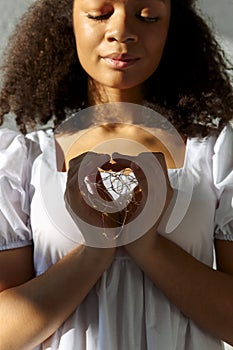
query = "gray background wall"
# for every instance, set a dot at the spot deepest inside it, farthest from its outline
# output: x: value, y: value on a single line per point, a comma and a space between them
x: 218, y: 12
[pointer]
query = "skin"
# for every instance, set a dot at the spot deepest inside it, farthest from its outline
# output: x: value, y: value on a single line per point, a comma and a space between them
x: 137, y: 29
x: 189, y: 284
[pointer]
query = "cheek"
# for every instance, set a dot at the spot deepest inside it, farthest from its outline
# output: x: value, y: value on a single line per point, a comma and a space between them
x: 155, y: 45
x: 85, y: 34
x: 86, y: 45
x: 84, y: 37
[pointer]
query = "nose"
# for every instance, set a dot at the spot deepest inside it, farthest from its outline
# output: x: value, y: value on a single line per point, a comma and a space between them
x: 120, y: 30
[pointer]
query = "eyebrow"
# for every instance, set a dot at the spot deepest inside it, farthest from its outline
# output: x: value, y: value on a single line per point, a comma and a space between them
x: 112, y: 1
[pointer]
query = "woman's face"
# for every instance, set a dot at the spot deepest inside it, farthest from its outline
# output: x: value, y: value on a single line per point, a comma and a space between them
x: 120, y: 42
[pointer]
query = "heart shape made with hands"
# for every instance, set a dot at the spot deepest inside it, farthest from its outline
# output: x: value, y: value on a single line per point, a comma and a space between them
x: 118, y: 179
x: 113, y: 187
x: 116, y: 194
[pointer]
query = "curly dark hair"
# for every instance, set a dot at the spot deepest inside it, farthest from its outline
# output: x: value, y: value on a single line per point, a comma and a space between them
x: 43, y: 79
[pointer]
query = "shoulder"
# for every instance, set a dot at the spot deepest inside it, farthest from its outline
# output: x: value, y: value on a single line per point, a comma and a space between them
x: 223, y: 158
x: 10, y: 137
x: 13, y: 153
x: 40, y: 134
x: 225, y: 138
x: 18, y: 151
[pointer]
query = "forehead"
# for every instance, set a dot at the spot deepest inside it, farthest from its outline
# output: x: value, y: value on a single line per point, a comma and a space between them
x: 141, y: 2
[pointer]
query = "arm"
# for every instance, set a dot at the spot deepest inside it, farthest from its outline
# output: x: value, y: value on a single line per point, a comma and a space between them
x: 201, y: 293
x: 48, y: 299
x: 16, y: 267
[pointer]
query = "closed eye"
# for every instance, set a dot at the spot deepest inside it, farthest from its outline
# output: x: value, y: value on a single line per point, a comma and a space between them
x: 100, y: 17
x: 148, y: 19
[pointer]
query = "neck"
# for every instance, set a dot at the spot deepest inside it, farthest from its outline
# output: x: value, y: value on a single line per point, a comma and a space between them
x: 98, y: 94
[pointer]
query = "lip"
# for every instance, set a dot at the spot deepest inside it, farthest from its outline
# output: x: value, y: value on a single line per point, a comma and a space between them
x: 120, y: 61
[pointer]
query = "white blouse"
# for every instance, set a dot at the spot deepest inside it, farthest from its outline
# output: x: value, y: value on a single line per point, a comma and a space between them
x: 124, y: 310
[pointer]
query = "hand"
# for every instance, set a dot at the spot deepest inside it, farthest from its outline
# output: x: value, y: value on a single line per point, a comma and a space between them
x: 88, y: 202
x: 152, y: 197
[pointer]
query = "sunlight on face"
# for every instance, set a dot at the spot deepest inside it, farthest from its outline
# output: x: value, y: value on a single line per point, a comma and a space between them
x: 120, y: 43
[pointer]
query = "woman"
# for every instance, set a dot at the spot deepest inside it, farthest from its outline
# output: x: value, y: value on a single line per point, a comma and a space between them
x: 154, y: 292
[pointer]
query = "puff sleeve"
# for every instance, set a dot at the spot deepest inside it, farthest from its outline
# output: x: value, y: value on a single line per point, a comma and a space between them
x: 223, y: 180
x: 14, y: 202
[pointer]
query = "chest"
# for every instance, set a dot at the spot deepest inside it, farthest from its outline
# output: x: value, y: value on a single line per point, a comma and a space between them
x: 190, y: 222
x: 125, y: 139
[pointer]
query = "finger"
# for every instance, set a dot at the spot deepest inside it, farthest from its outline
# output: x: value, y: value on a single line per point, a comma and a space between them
x: 102, y: 191
x: 161, y: 158
x: 122, y: 161
x: 87, y: 164
x: 81, y: 180
x: 151, y: 161
x: 96, y: 158
x: 141, y: 190
x: 138, y: 171
x: 75, y: 162
x: 147, y: 166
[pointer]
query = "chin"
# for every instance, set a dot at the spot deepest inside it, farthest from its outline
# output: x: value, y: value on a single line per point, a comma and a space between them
x: 120, y: 80
x: 123, y: 85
